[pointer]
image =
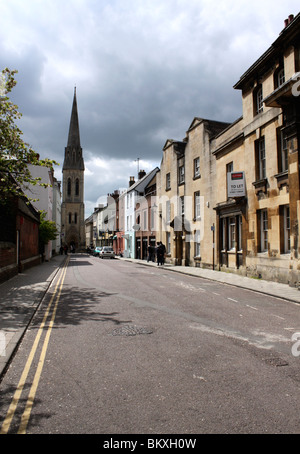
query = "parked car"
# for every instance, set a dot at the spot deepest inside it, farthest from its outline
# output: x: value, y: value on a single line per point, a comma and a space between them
x: 97, y: 251
x: 107, y: 252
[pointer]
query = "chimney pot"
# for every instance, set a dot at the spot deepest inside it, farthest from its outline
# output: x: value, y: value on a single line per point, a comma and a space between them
x: 286, y: 22
x: 291, y: 17
x: 142, y: 173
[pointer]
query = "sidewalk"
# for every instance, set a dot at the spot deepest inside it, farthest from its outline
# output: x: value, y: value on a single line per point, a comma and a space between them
x: 276, y: 289
x: 20, y: 297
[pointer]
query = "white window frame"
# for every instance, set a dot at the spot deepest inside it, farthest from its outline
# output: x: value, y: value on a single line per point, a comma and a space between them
x: 168, y: 181
x: 181, y: 206
x: 197, y: 205
x: 197, y: 244
x: 168, y: 212
x: 280, y: 77
x: 196, y: 167
x: 262, y: 158
x: 145, y: 220
x: 287, y: 229
x: 231, y: 233
x: 259, y: 101
x: 264, y: 230
x: 181, y: 174
x: 168, y: 241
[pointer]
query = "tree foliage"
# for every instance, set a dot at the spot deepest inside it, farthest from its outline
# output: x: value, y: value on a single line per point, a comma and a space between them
x: 15, y: 154
x: 47, y: 229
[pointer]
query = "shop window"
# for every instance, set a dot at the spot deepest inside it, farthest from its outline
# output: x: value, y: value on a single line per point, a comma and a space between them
x: 231, y: 233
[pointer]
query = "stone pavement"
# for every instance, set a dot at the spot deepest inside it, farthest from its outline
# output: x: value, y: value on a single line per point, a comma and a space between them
x: 21, y: 296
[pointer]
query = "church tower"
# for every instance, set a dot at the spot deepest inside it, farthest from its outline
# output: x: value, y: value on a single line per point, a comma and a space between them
x: 72, y: 210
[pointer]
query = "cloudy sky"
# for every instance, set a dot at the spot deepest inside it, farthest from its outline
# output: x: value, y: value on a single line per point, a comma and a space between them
x: 143, y: 69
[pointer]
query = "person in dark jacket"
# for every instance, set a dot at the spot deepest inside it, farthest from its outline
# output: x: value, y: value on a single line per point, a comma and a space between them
x: 160, y: 253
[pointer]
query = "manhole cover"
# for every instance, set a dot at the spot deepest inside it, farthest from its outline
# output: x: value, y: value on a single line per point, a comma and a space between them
x: 131, y: 330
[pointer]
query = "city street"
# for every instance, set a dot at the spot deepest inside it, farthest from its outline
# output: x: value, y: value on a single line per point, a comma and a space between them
x: 121, y: 348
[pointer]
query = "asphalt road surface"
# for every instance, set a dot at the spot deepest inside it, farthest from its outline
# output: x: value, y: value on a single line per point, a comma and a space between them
x: 121, y: 348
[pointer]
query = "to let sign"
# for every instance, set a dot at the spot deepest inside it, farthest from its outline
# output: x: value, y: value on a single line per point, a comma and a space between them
x: 236, y: 184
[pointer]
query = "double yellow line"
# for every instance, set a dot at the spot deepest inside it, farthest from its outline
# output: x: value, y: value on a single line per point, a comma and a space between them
x: 30, y: 400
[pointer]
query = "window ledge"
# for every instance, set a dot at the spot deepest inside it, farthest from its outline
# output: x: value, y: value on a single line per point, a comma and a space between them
x: 282, y: 178
x: 260, y: 185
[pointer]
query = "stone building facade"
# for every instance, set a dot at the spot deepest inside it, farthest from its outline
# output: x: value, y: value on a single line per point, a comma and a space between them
x: 258, y: 233
x: 186, y: 194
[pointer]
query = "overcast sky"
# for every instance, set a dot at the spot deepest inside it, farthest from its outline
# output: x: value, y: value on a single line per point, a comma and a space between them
x: 143, y: 69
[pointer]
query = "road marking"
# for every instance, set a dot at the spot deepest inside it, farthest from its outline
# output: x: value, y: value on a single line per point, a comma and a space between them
x: 12, y: 408
x: 218, y: 294
x: 34, y: 386
x: 252, y: 307
x: 231, y: 299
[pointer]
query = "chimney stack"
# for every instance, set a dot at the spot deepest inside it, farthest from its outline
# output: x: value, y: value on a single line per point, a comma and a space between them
x: 131, y: 181
x: 142, y: 173
x: 288, y: 20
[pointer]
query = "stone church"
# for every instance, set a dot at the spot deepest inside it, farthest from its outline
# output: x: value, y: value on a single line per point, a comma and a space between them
x: 72, y: 210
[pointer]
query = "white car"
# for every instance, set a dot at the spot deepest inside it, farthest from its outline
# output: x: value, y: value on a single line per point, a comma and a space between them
x: 107, y: 252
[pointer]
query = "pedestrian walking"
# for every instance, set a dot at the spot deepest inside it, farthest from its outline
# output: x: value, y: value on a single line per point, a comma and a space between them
x: 159, y: 254
x: 150, y: 253
x: 163, y: 252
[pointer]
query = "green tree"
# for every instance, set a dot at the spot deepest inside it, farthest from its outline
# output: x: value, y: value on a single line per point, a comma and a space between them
x: 47, y: 229
x: 15, y: 154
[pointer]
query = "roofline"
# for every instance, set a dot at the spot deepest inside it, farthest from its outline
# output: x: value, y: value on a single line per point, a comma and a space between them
x: 271, y: 51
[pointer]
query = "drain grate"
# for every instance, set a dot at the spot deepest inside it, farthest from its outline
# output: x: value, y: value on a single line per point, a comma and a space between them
x: 131, y: 330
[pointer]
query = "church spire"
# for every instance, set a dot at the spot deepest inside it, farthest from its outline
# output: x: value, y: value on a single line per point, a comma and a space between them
x: 73, y: 152
x: 74, y: 137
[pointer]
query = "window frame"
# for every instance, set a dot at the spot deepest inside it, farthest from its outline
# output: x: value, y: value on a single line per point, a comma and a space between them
x: 261, y: 159
x: 259, y: 104
x: 197, y: 205
x: 181, y: 176
x: 264, y: 230
x: 168, y: 181
x: 197, y: 167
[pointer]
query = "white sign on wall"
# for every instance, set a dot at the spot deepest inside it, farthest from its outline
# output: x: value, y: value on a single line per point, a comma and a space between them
x: 236, y: 184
